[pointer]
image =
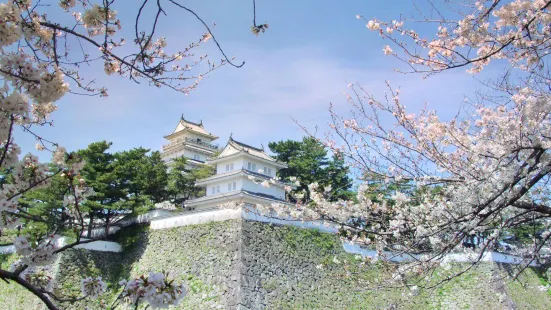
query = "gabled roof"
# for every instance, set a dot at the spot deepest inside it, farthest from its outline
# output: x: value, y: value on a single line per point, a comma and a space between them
x: 235, y: 147
x: 235, y: 195
x: 184, y: 124
x: 240, y: 172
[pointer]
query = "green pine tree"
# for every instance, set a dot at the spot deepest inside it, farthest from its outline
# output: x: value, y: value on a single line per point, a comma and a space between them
x: 308, y: 161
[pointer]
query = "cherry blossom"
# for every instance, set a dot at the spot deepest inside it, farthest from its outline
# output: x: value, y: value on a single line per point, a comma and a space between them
x: 39, y: 66
x: 35, y: 253
x: 92, y: 287
x: 166, y: 205
x: 456, y: 183
x: 153, y: 289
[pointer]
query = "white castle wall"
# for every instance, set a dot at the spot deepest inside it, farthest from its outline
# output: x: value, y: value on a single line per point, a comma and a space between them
x: 197, y: 218
x: 245, y: 184
x: 142, y: 218
x: 221, y: 166
x: 219, y: 215
x: 258, y: 188
x: 7, y: 249
x: 223, y: 186
x: 242, y: 162
x: 103, y: 246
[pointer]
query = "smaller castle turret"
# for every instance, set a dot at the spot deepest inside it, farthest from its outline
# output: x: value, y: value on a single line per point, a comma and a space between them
x: 241, y: 170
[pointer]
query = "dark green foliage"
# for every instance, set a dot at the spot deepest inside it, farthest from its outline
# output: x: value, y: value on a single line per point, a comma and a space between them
x: 129, y: 236
x: 47, y: 204
x: 154, y: 177
x: 308, y: 161
x: 124, y: 183
x: 526, y: 232
x: 182, y: 178
x: 127, y: 182
x: 104, y: 176
x: 139, y: 174
x: 379, y: 190
x: 7, y: 236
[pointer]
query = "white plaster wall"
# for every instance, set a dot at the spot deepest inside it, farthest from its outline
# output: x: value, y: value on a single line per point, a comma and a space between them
x: 245, y: 184
x: 7, y: 249
x: 452, y: 257
x: 258, y: 188
x: 221, y: 166
x: 98, y: 232
x: 181, y: 137
x: 187, y: 153
x: 259, y: 165
x: 224, y: 186
x: 142, y: 218
x: 190, y: 154
x: 195, y: 136
x: 249, y: 214
x: 197, y: 218
x: 104, y: 246
x: 146, y: 217
x: 242, y: 162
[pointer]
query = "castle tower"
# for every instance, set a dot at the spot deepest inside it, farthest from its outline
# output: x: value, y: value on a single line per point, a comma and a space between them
x: 236, y: 165
x: 191, y: 140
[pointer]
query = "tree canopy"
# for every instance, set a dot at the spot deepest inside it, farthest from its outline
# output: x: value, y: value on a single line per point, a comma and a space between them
x: 122, y: 184
x: 125, y: 183
x: 182, y: 178
x: 309, y: 162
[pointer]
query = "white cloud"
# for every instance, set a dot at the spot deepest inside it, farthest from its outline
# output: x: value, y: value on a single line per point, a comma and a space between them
x: 256, y: 103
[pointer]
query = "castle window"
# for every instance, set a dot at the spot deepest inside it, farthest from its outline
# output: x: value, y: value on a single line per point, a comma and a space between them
x: 229, y: 167
x: 251, y: 166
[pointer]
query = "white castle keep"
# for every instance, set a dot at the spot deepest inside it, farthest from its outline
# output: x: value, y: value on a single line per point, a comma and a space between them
x: 235, y: 166
x: 191, y: 140
x: 240, y: 168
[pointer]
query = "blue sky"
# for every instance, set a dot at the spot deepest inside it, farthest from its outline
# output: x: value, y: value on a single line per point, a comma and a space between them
x: 305, y: 60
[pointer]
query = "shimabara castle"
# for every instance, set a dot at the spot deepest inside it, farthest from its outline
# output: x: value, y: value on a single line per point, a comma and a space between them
x: 230, y: 259
x: 240, y: 168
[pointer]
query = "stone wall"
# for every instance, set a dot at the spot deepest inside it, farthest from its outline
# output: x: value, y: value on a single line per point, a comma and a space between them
x: 205, y: 257
x: 240, y: 264
x: 291, y: 268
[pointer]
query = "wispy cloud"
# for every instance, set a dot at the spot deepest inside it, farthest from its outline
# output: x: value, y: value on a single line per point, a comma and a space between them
x: 256, y: 103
